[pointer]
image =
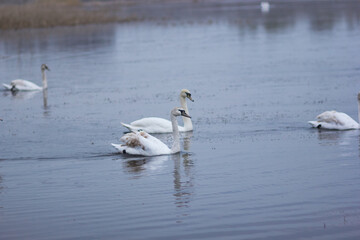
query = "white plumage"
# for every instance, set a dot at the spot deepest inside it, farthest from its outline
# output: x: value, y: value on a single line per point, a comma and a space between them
x: 142, y: 143
x: 336, y: 120
x: 265, y: 7
x: 161, y: 125
x: 24, y: 85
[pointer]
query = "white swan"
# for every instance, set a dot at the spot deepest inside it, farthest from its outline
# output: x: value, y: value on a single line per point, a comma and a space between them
x: 265, y: 7
x: 336, y: 120
x: 161, y: 125
x: 24, y: 85
x: 142, y: 143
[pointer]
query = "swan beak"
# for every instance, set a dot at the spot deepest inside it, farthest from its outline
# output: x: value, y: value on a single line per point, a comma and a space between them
x: 190, y: 98
x: 184, y: 114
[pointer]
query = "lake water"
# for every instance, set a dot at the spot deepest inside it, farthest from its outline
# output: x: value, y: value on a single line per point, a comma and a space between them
x: 251, y: 169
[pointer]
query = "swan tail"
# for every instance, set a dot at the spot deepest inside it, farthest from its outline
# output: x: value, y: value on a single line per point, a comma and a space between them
x: 7, y: 86
x: 315, y: 124
x: 131, y: 128
x: 123, y: 149
x: 120, y: 147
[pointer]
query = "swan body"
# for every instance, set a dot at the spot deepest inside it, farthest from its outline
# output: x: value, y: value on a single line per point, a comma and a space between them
x: 152, y: 125
x: 24, y: 85
x: 161, y: 125
x: 265, y: 6
x: 334, y: 120
x: 142, y: 143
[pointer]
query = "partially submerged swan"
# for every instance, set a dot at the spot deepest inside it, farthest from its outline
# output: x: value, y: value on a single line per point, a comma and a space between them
x: 142, y: 143
x: 161, y: 125
x: 24, y: 85
x: 336, y: 120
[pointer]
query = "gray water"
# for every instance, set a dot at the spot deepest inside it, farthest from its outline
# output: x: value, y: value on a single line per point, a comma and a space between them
x: 251, y: 169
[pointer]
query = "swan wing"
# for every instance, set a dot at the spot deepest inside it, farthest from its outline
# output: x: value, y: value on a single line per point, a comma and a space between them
x: 153, y: 144
x: 142, y: 143
x: 24, y: 85
x: 334, y: 120
x: 152, y: 125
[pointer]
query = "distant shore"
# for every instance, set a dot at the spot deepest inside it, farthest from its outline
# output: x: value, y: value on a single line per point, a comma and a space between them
x: 20, y: 14
x: 51, y: 13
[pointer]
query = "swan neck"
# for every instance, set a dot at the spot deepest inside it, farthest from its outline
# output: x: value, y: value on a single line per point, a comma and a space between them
x: 176, y: 144
x: 359, y: 109
x: 45, y: 97
x: 44, y: 80
x: 187, y: 121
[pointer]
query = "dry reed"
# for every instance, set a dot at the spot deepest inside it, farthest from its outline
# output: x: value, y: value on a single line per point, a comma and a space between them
x: 51, y: 13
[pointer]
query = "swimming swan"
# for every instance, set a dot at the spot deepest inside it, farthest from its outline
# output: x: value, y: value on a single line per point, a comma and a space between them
x: 24, y: 85
x: 142, y: 143
x: 161, y: 125
x: 265, y: 7
x: 336, y: 120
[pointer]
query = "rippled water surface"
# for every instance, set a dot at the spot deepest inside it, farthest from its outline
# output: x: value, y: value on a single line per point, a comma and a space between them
x: 251, y: 169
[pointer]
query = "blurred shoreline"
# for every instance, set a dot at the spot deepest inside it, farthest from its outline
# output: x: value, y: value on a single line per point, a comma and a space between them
x: 21, y: 14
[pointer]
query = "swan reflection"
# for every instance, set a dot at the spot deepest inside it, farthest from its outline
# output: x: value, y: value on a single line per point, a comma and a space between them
x: 182, y: 175
x: 144, y: 164
x: 183, y: 180
x: 187, y: 140
x: 327, y: 137
x: 344, y: 139
x: 21, y: 95
x: 45, y: 98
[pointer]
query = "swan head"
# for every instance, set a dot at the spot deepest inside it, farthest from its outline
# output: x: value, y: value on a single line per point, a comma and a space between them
x: 186, y: 94
x: 179, y: 112
x: 44, y: 67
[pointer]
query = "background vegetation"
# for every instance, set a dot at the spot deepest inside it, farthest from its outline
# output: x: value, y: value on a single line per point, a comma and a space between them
x: 51, y: 13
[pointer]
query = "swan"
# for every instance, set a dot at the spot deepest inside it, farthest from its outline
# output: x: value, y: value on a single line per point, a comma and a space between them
x: 161, y: 125
x: 24, y: 85
x: 142, y: 143
x: 265, y: 7
x: 336, y: 120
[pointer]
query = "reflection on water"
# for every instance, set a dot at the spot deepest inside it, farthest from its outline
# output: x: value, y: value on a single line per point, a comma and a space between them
x: 45, y: 98
x: 250, y: 17
x: 183, y: 180
x: 63, y: 38
x: 140, y: 165
x: 183, y: 175
x: 333, y: 137
x: 187, y: 140
x: 21, y: 95
x: 344, y: 139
